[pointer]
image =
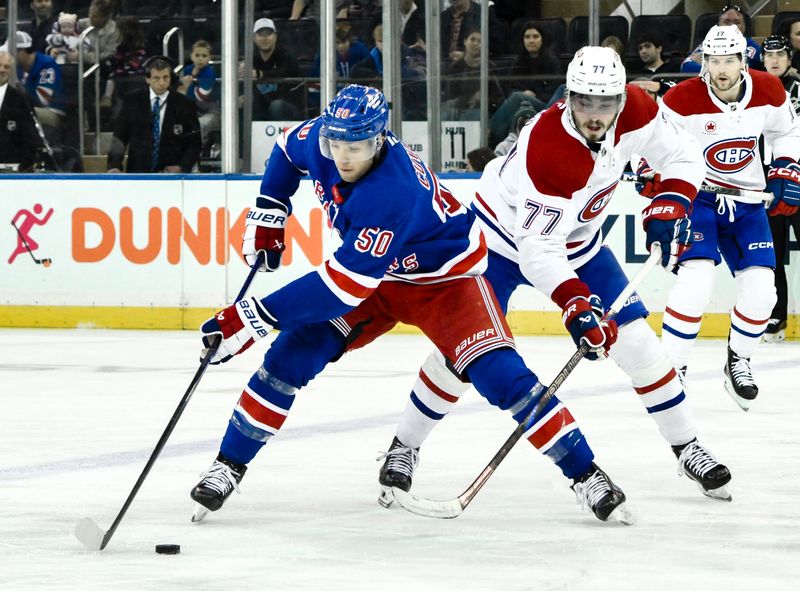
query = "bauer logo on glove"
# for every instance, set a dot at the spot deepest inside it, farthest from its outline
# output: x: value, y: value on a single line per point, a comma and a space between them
x: 264, y: 232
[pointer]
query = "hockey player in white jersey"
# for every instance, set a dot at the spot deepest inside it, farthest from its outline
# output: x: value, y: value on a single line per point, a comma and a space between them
x: 727, y: 109
x: 542, y: 209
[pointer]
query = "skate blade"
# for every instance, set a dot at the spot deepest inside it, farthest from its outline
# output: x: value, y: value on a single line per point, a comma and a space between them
x: 718, y: 494
x: 774, y: 338
x: 742, y: 403
x: 622, y: 515
x: 200, y: 513
x: 386, y: 498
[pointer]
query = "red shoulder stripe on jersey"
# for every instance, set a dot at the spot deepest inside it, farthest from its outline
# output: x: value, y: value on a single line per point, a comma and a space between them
x: 690, y: 97
x: 639, y: 110
x: 557, y: 163
x: 767, y: 90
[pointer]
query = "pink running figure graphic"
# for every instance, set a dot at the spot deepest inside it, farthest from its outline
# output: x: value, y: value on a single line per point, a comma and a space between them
x: 24, y: 241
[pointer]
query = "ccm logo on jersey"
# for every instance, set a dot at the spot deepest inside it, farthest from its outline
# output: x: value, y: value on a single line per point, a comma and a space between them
x: 478, y: 336
x: 731, y: 155
x: 597, y: 203
x: 757, y: 245
x: 253, y: 319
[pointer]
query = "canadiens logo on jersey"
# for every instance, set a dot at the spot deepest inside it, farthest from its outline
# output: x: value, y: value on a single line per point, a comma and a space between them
x: 597, y: 203
x: 729, y: 156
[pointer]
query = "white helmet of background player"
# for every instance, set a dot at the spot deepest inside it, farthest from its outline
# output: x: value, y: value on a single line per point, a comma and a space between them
x: 724, y: 40
x: 595, y: 86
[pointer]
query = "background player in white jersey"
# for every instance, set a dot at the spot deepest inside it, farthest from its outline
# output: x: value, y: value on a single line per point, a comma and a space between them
x: 727, y: 109
x: 542, y: 209
x: 410, y: 253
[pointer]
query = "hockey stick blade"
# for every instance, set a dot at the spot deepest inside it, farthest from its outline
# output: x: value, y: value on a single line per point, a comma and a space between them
x: 449, y: 509
x: 427, y: 507
x: 90, y: 534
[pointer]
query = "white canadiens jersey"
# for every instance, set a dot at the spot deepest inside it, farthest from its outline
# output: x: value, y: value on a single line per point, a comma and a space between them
x: 543, y: 205
x: 728, y: 132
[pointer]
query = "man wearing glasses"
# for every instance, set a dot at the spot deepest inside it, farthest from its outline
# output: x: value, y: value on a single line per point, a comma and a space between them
x: 730, y: 15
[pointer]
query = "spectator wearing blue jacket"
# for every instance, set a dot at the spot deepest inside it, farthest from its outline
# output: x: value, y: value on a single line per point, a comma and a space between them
x: 41, y: 77
x: 730, y: 15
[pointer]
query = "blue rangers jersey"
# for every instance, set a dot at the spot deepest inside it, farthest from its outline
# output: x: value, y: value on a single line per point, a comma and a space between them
x: 397, y: 223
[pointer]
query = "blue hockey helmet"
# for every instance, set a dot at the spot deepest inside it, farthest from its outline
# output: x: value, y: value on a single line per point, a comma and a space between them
x: 356, y: 113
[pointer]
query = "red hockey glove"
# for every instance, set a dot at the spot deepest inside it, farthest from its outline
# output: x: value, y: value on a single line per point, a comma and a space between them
x: 583, y: 318
x: 665, y: 222
x: 239, y: 326
x: 264, y: 231
x: 783, y: 181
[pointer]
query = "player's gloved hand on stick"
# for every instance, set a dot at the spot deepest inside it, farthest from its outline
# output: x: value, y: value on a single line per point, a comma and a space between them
x: 666, y: 223
x: 783, y: 181
x: 648, y: 181
x: 583, y: 317
x: 264, y: 231
x: 239, y: 326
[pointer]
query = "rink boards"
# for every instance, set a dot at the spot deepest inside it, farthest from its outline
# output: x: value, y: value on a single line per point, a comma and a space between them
x: 143, y: 251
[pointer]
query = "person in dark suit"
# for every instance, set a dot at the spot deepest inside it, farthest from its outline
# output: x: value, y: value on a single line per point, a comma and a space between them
x: 20, y: 143
x: 158, y: 126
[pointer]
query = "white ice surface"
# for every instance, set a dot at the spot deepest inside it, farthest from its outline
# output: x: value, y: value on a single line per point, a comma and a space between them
x: 81, y: 410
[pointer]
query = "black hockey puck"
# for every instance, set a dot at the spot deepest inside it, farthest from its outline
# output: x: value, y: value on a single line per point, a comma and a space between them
x: 168, y: 549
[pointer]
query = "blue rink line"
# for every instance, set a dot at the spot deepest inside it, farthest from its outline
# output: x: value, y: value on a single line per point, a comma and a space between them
x: 116, y: 459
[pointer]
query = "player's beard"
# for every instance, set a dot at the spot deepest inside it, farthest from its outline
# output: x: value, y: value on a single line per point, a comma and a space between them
x: 727, y: 84
x: 594, y: 130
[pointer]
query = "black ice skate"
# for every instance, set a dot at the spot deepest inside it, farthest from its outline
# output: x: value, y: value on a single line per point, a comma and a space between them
x: 739, y: 380
x: 397, y: 470
x: 597, y: 492
x: 216, y: 485
x: 776, y: 331
x: 681, y: 371
x: 698, y: 464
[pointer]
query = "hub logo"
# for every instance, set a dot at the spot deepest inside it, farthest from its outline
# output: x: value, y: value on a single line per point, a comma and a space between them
x: 597, y: 203
x: 731, y: 155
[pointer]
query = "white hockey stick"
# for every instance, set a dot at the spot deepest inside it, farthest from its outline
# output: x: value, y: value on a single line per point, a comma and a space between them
x: 448, y: 509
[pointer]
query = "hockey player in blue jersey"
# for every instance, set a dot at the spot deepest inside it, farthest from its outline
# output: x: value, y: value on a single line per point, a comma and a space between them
x: 410, y: 253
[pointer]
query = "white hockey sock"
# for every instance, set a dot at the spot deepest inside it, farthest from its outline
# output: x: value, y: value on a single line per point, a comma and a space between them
x: 755, y: 298
x: 436, y: 391
x: 639, y: 354
x: 684, y: 312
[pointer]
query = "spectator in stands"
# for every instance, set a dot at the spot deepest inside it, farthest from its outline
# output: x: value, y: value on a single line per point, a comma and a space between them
x: 41, y: 77
x: 534, y: 59
x: 777, y: 53
x: 461, y: 17
x: 19, y: 140
x: 62, y: 43
x: 310, y: 9
x: 108, y: 37
x: 273, y: 100
x: 791, y: 30
x: 125, y: 64
x: 730, y: 15
x: 371, y: 68
x: 614, y: 43
x: 412, y: 24
x: 478, y: 158
x: 464, y: 87
x: 651, y: 45
x: 524, y: 114
x: 171, y: 141
x: 198, y: 82
x: 349, y: 52
x: 42, y: 24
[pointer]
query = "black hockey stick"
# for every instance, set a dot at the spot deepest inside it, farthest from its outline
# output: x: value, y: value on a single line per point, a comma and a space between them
x: 451, y: 508
x: 87, y: 531
x: 732, y: 191
x: 43, y: 262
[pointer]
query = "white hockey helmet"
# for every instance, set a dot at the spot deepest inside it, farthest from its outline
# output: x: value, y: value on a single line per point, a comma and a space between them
x: 596, y: 71
x: 725, y: 40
